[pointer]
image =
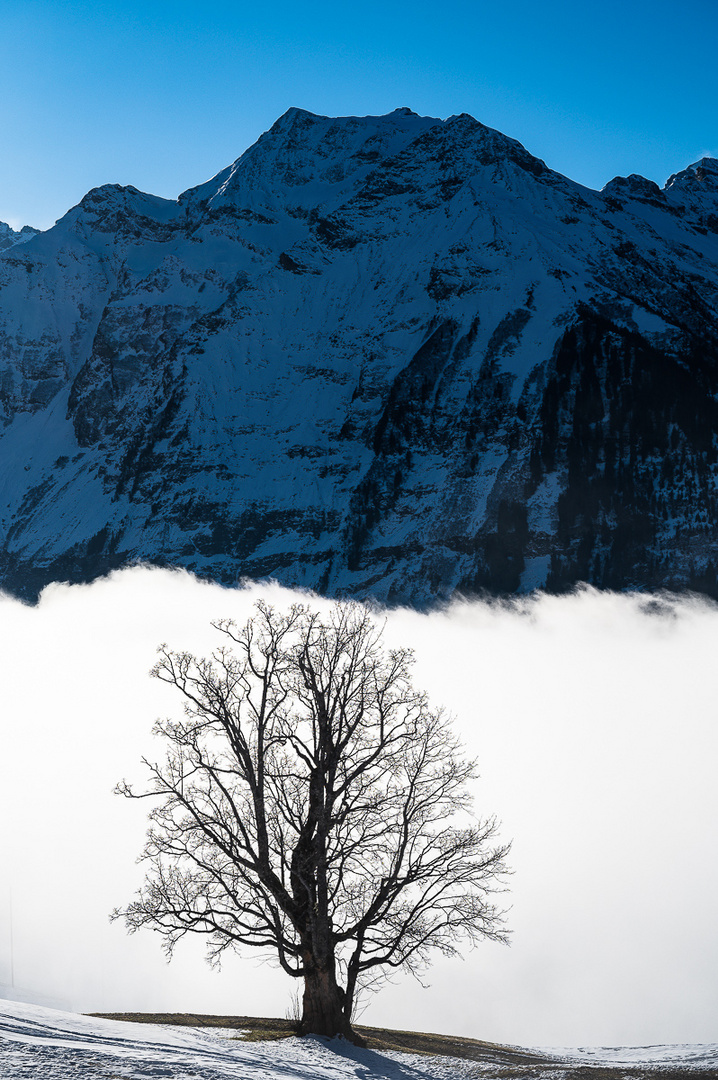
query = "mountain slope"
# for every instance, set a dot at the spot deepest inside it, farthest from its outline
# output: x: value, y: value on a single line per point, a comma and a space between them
x: 389, y: 356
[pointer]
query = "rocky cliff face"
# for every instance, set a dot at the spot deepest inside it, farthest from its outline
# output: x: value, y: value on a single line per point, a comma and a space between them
x: 390, y: 356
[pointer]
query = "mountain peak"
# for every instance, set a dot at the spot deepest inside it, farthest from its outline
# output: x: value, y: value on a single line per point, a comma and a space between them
x: 696, y: 173
x: 10, y: 237
x: 294, y: 116
x: 325, y: 161
x: 304, y: 149
x: 634, y: 186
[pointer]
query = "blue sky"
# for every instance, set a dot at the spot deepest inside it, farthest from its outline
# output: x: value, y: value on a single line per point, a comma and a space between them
x: 163, y: 95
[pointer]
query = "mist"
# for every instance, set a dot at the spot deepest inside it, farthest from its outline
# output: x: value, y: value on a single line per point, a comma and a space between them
x: 593, y: 720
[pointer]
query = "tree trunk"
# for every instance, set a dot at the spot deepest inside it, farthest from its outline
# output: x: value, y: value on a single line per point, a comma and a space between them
x: 324, y: 1007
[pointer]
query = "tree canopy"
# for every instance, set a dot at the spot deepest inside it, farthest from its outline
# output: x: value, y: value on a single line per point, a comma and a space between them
x: 313, y: 804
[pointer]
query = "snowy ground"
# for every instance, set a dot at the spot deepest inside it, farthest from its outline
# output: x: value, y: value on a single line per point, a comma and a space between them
x: 44, y: 1043
x: 703, y: 1056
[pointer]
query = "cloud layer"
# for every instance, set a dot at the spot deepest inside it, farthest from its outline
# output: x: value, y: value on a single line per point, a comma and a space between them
x: 593, y: 718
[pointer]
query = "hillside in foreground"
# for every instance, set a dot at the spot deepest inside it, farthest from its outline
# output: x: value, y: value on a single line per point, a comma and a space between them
x: 64, y: 1046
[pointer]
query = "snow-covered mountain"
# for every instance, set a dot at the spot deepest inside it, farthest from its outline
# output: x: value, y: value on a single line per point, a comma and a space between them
x: 9, y: 237
x: 391, y: 356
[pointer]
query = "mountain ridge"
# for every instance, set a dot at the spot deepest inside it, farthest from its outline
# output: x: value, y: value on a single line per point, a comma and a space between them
x: 386, y: 356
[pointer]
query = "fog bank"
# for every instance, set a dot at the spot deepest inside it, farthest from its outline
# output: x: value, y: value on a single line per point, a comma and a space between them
x: 593, y: 718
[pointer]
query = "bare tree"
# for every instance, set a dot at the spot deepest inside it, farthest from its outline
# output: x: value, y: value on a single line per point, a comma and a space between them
x: 308, y: 805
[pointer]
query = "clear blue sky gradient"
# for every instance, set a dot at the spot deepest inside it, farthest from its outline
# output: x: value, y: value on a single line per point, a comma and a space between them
x: 163, y: 95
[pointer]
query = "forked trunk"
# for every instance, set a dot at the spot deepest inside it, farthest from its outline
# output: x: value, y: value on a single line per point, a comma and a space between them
x: 324, y: 1008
